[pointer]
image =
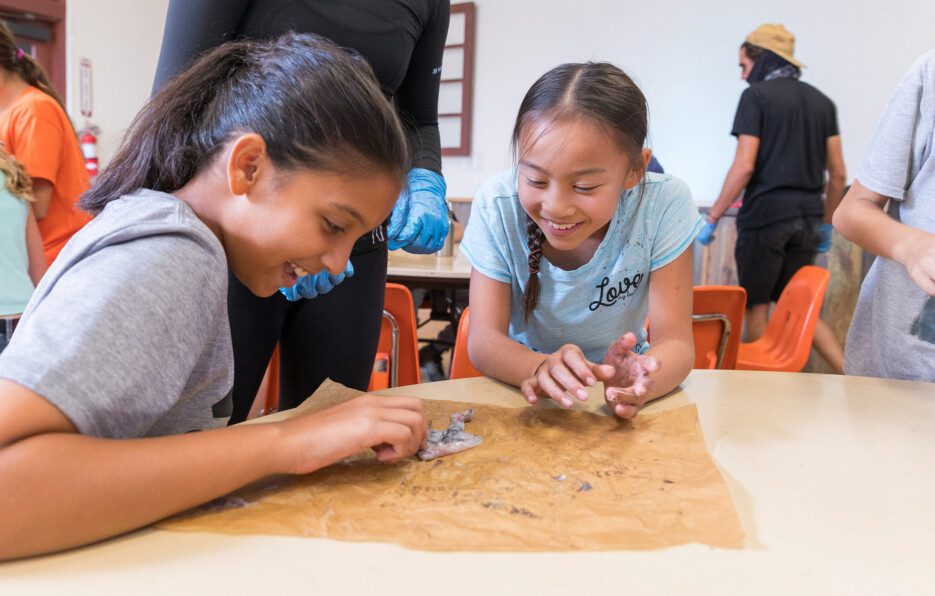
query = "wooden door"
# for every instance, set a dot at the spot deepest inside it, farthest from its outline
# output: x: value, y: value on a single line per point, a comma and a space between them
x: 39, y: 29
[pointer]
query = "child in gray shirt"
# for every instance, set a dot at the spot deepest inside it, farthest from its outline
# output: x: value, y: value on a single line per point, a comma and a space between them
x: 892, y: 334
x: 268, y: 157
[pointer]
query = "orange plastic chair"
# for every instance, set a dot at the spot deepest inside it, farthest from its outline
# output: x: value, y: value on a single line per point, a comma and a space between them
x: 461, y: 367
x: 786, y: 344
x: 398, y: 340
x: 272, y: 384
x: 717, y: 318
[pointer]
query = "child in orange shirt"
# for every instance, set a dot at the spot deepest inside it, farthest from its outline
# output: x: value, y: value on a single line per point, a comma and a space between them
x: 36, y: 130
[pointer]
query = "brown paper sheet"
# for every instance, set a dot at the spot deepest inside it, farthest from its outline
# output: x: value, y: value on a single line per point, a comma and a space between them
x: 543, y: 480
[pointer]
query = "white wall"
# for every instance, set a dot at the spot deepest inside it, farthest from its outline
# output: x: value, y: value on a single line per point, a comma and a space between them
x: 122, y: 40
x: 683, y: 53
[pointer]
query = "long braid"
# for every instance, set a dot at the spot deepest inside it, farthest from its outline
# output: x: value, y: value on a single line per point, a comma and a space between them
x: 317, y: 108
x: 534, y: 239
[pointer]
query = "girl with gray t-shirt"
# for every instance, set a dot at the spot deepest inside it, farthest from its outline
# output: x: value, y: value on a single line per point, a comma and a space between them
x: 890, y: 211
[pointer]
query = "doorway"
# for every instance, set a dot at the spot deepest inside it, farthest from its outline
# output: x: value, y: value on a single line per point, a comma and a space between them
x: 39, y: 29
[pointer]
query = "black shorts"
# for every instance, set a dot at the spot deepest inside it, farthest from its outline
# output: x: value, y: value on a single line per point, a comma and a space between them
x: 768, y: 257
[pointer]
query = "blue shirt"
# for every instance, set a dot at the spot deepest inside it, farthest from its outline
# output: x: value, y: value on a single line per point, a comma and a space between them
x: 15, y: 284
x: 595, y: 304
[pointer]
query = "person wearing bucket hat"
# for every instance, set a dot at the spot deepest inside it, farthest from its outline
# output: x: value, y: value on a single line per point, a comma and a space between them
x: 787, y: 139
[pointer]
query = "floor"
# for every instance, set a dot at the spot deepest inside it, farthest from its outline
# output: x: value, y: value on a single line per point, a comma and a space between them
x: 430, y: 330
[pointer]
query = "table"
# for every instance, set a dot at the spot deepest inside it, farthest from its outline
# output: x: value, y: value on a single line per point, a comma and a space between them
x: 429, y: 271
x: 442, y: 276
x: 833, y: 478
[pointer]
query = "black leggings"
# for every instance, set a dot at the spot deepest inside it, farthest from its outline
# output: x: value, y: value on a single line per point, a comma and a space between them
x: 334, y: 335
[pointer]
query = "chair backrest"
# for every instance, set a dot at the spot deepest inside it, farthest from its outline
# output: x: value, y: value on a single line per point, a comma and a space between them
x: 399, y: 322
x: 717, y: 320
x: 787, y: 341
x: 461, y: 367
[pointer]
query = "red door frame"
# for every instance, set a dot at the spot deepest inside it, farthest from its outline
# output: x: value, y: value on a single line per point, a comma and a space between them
x: 53, y: 13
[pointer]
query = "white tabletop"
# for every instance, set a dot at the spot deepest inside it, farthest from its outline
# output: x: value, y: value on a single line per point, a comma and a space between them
x: 833, y: 478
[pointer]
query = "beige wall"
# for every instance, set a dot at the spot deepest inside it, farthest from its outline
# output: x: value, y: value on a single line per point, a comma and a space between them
x: 122, y: 39
x: 683, y: 53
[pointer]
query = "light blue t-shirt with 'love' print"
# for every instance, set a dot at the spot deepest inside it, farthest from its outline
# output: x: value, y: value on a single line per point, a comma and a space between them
x: 595, y: 304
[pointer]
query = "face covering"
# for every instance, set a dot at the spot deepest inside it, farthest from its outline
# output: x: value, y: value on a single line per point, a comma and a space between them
x: 768, y: 66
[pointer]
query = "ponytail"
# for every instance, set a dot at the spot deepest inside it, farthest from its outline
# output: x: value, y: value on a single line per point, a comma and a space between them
x: 14, y: 59
x: 534, y: 239
x: 16, y: 179
x: 316, y: 106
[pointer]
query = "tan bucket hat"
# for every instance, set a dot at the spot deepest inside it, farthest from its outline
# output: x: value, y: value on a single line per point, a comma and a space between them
x: 776, y: 39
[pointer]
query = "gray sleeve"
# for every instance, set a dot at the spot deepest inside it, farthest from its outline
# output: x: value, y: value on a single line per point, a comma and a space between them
x: 114, y: 340
x: 902, y: 138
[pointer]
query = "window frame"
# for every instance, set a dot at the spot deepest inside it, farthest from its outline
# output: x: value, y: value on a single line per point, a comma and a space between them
x: 466, y: 81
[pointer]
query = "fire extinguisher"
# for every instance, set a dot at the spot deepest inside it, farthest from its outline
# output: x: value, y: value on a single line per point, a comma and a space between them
x: 89, y: 148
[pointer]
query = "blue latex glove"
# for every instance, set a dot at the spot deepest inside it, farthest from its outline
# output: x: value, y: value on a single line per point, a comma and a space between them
x: 419, y: 222
x: 706, y: 234
x: 310, y: 286
x: 825, y: 244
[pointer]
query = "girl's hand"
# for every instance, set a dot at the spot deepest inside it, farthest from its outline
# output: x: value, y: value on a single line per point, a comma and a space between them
x: 920, y: 263
x: 562, y: 372
x: 630, y: 386
x: 394, y: 427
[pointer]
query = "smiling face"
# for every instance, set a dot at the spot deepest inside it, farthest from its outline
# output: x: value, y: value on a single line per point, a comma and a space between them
x: 746, y: 64
x: 571, y: 175
x: 278, y: 221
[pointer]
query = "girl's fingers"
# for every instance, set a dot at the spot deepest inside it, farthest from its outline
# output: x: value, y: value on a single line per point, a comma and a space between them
x: 395, y: 425
x: 403, y: 427
x: 626, y: 411
x: 621, y: 395
x: 391, y: 453
x: 623, y: 402
x: 398, y: 426
x: 569, y: 382
x: 394, y: 441
x: 603, y: 372
x: 548, y: 386
x: 528, y: 389
x: 650, y: 364
x: 579, y: 366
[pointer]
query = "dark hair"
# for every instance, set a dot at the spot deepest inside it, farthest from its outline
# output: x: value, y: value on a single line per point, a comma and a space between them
x: 595, y: 91
x: 765, y: 62
x: 316, y: 106
x: 753, y: 52
x: 13, y: 59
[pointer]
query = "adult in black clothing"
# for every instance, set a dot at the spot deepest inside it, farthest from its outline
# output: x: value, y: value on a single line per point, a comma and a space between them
x: 336, y: 334
x: 787, y: 138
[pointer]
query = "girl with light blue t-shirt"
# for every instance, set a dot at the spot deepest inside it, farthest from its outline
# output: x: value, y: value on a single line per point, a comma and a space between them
x: 576, y: 246
x: 22, y: 261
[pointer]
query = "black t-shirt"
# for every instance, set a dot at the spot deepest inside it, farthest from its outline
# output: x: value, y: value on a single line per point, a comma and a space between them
x: 402, y: 40
x: 793, y: 121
